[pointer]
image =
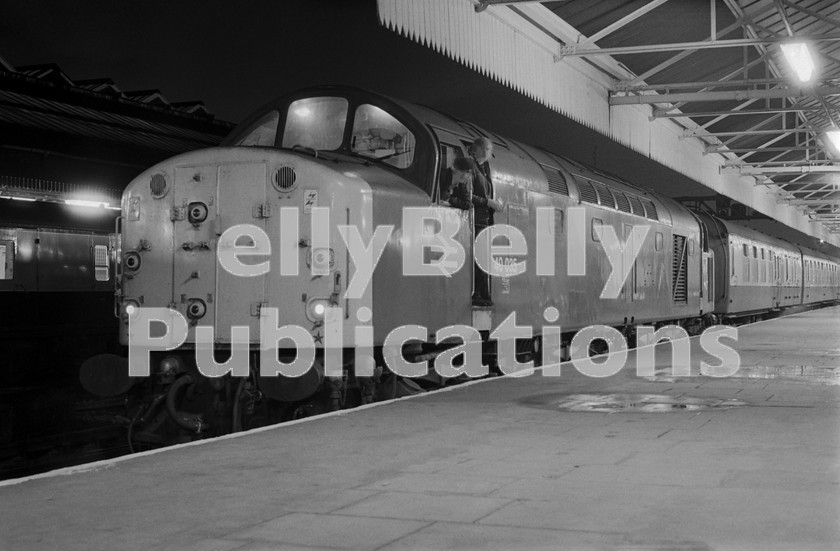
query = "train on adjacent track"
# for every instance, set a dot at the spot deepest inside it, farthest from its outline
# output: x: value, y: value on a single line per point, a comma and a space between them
x: 367, y: 158
x: 56, y: 324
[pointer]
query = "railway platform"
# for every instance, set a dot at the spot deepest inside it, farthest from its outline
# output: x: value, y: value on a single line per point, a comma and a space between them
x: 749, y: 461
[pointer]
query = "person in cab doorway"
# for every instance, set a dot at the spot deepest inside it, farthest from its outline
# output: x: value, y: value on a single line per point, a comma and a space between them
x: 479, y: 194
x: 454, y: 177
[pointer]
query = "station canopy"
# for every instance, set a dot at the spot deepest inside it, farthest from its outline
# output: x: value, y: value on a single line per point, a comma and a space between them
x: 719, y: 90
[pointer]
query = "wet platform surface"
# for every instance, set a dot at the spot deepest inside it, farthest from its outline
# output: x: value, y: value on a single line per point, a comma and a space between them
x: 503, y: 463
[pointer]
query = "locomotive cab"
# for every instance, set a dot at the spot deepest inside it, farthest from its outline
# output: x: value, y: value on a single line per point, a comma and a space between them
x: 339, y: 123
x: 329, y: 158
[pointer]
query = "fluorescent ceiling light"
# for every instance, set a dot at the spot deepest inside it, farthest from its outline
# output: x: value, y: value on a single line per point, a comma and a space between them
x: 82, y: 203
x: 27, y: 199
x: 799, y: 59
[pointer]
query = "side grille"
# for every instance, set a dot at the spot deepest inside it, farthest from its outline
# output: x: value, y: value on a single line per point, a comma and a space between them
x: 556, y: 181
x: 636, y: 205
x: 605, y: 195
x: 284, y: 178
x: 650, y: 209
x: 587, y: 192
x: 157, y: 185
x: 621, y: 200
x: 679, y: 278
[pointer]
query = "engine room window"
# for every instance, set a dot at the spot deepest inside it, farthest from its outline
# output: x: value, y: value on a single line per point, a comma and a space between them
x: 316, y: 123
x: 556, y: 227
x: 596, y: 223
x: 691, y: 246
x: 659, y: 241
x: 746, y: 250
x: 378, y: 135
x: 263, y: 132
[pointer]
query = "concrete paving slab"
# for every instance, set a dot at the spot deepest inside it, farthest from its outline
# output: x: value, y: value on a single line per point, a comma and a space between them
x: 466, y: 537
x: 402, y: 505
x: 333, y: 531
x: 437, y: 483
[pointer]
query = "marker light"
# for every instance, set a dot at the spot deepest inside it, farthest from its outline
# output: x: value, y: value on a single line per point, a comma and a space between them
x: 316, y: 308
x: 130, y: 308
x: 799, y: 58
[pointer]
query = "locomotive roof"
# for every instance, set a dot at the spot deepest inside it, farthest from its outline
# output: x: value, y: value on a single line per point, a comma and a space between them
x: 666, y: 210
x: 737, y: 230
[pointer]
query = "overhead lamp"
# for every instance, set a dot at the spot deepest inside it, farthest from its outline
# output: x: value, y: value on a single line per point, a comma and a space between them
x: 85, y: 203
x: 799, y: 58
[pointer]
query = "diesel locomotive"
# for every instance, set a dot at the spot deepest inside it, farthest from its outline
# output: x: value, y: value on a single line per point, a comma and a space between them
x: 312, y: 162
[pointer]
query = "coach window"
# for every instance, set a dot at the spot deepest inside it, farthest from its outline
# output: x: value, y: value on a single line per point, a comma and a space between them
x: 378, y: 135
x: 732, y: 259
x: 263, y: 132
x: 7, y: 257
x: 317, y: 123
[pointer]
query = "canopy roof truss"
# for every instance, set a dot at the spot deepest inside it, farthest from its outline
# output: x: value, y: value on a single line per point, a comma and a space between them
x: 747, y: 106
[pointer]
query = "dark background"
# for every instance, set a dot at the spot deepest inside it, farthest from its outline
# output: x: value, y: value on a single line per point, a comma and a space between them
x: 236, y: 56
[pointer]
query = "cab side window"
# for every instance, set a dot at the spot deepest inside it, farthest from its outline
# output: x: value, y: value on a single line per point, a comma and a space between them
x: 378, y: 135
x: 448, y: 153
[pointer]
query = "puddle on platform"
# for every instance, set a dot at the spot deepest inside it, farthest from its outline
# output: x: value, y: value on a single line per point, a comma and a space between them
x: 630, y: 403
x: 812, y: 374
x: 817, y: 374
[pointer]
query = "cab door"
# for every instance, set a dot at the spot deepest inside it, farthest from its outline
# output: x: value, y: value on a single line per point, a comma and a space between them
x: 462, y: 282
